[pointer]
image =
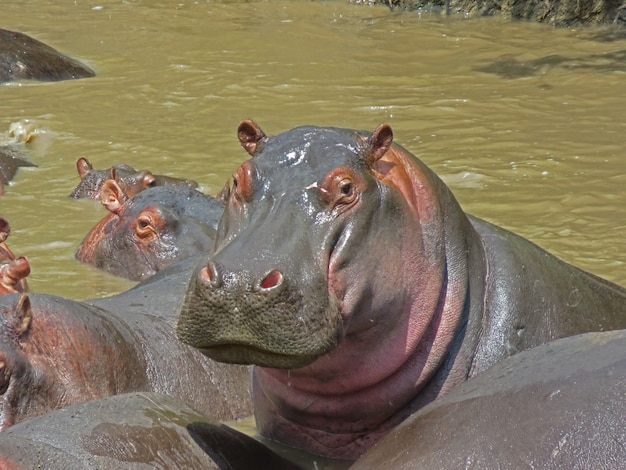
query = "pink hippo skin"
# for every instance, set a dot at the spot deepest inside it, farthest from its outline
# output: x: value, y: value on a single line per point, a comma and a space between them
x: 55, y: 352
x: 345, y: 269
x: 143, y: 234
x: 13, y: 271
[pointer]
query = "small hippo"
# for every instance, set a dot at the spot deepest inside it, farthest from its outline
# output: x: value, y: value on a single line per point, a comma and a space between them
x: 346, y: 270
x: 559, y: 405
x: 25, y: 58
x: 13, y: 271
x: 130, y: 180
x: 57, y: 352
x: 151, y: 230
x: 135, y: 430
x: 11, y: 160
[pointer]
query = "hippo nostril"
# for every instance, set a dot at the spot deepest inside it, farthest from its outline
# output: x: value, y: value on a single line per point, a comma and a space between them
x: 211, y: 275
x: 273, y: 279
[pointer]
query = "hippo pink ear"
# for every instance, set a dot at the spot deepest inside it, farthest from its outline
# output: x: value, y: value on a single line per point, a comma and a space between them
x: 112, y: 196
x: 379, y: 143
x: 250, y: 134
x: 83, y: 166
x: 22, y: 315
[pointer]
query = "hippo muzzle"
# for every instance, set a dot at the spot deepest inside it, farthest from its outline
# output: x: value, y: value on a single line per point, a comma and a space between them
x: 238, y: 317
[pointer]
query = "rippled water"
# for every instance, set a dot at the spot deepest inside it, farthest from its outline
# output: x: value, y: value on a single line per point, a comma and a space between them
x: 525, y: 122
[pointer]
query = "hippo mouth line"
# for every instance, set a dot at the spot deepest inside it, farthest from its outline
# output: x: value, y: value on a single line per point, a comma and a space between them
x: 246, y: 354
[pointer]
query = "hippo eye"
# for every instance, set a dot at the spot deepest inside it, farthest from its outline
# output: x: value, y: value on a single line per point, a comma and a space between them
x: 346, y: 187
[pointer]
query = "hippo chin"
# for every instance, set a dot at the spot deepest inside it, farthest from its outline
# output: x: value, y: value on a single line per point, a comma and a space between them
x: 347, y: 270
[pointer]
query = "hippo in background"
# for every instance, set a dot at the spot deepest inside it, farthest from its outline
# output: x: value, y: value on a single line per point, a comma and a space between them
x: 347, y: 272
x: 559, y: 405
x: 130, y: 180
x: 25, y: 58
x: 56, y: 352
x: 13, y: 271
x: 157, y: 227
x: 132, y: 431
x: 11, y: 160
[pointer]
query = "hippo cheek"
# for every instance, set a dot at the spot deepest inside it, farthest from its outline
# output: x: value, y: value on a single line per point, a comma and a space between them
x: 264, y: 320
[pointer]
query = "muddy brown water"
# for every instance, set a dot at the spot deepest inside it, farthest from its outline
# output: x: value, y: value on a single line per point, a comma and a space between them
x: 526, y: 123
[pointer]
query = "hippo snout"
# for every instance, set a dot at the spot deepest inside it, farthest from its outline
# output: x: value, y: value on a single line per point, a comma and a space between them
x: 266, y: 317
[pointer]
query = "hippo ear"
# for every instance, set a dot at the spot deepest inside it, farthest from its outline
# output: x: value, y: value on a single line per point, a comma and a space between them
x: 22, y: 315
x: 250, y: 134
x: 112, y: 196
x: 379, y: 143
x: 148, y: 180
x: 224, y: 194
x: 5, y: 229
x: 83, y: 166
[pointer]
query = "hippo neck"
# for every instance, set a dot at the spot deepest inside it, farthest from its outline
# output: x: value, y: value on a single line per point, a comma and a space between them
x: 313, y: 408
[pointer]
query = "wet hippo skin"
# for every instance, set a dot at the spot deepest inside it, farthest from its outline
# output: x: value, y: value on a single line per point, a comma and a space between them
x: 559, y: 405
x: 25, y: 58
x: 13, y: 271
x: 145, y: 233
x: 346, y: 270
x: 55, y: 352
x: 132, y: 431
x: 131, y: 181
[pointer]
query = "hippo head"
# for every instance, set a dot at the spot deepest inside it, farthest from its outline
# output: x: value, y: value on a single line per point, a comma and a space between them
x: 309, y: 220
x: 149, y: 231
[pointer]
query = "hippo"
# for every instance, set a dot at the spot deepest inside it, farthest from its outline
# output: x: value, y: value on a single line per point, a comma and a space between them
x: 56, y: 352
x: 25, y: 58
x: 13, y: 271
x: 143, y: 234
x: 347, y: 272
x: 558, y: 405
x: 130, y: 180
x: 139, y: 430
x: 11, y: 159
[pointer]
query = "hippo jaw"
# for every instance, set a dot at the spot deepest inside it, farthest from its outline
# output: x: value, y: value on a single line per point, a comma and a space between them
x: 268, y: 322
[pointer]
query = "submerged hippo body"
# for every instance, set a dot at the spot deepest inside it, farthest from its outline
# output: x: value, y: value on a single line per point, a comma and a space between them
x: 11, y: 160
x: 130, y: 180
x: 25, y: 58
x: 155, y: 228
x: 347, y: 270
x: 56, y: 352
x: 559, y: 405
x: 136, y: 430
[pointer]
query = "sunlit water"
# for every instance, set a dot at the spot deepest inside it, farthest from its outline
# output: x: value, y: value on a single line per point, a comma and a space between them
x: 524, y: 122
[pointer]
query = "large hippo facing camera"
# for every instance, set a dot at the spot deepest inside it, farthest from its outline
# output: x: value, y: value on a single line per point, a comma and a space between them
x: 348, y: 272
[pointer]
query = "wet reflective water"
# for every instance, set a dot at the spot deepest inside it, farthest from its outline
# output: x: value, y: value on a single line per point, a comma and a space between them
x: 525, y: 123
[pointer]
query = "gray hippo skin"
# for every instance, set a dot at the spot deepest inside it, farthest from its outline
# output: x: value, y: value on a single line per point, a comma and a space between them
x: 143, y: 234
x: 130, y: 180
x: 25, y: 58
x: 345, y: 269
x: 11, y: 160
x: 132, y: 431
x: 557, y: 406
x: 56, y: 352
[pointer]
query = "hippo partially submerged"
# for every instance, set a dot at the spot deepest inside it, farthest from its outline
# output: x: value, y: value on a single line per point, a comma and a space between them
x: 157, y: 227
x: 25, y: 58
x: 347, y: 270
x: 131, y: 181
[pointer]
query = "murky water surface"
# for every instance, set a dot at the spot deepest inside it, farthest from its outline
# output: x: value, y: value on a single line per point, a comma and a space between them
x: 526, y: 123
